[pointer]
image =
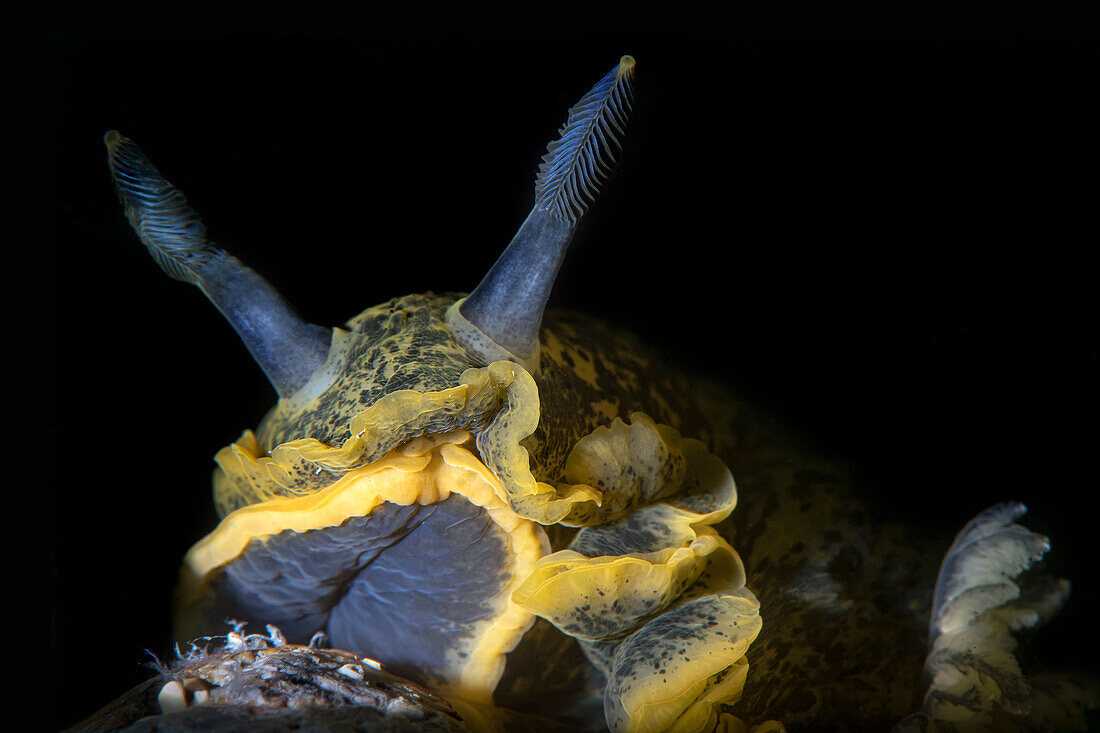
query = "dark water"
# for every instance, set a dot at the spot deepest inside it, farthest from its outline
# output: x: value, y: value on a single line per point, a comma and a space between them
x: 883, y: 239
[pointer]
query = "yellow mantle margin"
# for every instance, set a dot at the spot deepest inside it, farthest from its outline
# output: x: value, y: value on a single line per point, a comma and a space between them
x: 424, y: 471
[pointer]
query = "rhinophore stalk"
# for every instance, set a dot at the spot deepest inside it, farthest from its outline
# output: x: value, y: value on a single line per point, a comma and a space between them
x: 501, y: 317
x: 286, y: 347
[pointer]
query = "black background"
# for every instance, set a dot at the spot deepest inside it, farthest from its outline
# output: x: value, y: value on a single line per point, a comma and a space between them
x: 886, y: 239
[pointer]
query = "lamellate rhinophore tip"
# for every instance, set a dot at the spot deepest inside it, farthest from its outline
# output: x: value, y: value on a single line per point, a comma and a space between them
x: 502, y: 316
x: 160, y: 214
x: 580, y: 160
x: 626, y: 66
x: 286, y: 347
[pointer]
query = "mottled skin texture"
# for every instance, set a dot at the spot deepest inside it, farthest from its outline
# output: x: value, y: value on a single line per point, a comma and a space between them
x: 400, y: 344
x: 588, y: 376
x: 844, y: 603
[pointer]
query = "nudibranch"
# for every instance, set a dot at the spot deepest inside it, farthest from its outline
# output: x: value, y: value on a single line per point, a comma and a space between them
x: 527, y: 513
